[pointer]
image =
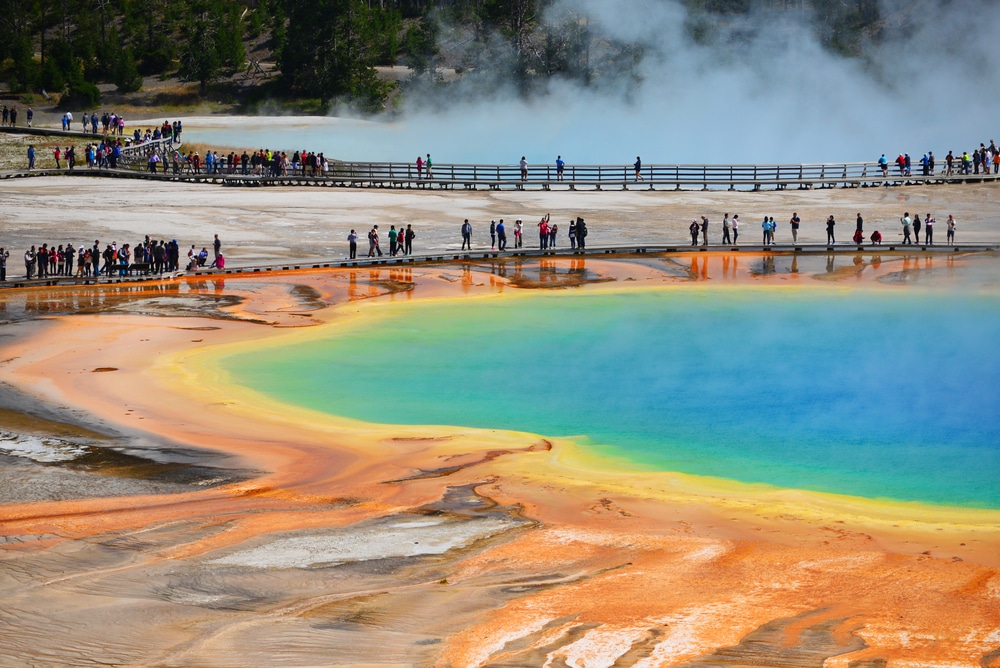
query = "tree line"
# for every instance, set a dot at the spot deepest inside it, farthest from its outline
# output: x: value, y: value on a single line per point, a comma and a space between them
x: 329, y: 49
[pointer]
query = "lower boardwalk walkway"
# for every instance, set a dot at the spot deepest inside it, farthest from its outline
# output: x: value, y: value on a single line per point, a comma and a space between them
x: 520, y: 254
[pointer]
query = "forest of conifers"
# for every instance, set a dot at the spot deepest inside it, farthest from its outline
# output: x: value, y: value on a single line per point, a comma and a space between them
x: 328, y: 49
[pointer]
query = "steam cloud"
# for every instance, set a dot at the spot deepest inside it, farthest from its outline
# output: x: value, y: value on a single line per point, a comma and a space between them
x: 765, y: 91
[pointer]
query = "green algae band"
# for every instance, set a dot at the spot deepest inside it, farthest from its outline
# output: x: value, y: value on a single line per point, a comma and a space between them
x: 874, y: 393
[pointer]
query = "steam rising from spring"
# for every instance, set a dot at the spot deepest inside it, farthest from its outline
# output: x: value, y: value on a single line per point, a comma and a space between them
x: 762, y: 89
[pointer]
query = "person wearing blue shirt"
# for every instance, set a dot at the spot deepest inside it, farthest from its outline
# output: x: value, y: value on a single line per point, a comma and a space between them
x: 560, y: 167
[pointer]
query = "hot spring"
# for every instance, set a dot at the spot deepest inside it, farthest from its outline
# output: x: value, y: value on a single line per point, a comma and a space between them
x: 863, y: 391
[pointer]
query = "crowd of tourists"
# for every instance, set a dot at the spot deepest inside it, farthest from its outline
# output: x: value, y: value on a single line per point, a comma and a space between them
x: 148, y: 257
x: 548, y: 234
x: 262, y: 162
x: 980, y: 161
x: 910, y: 230
x: 8, y: 115
x: 400, y: 242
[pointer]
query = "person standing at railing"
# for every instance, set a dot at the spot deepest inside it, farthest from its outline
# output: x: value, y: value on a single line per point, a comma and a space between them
x: 966, y: 161
x: 794, y: 222
x: 638, y: 168
x: 420, y: 167
x: 930, y: 161
x: 883, y: 164
x: 560, y: 167
x: 524, y: 168
x: 428, y: 165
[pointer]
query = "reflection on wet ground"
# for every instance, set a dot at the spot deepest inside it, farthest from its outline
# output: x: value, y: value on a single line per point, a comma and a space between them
x: 884, y: 266
x: 42, y: 459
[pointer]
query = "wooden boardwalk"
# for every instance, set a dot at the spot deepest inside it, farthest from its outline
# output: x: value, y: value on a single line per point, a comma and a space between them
x: 460, y: 257
x: 393, y: 175
x: 338, y: 179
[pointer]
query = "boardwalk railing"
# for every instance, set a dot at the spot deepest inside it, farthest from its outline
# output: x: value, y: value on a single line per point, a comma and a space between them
x: 598, y: 177
x: 136, y: 156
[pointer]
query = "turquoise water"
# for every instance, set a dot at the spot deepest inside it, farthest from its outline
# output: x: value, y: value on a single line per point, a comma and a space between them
x: 870, y: 393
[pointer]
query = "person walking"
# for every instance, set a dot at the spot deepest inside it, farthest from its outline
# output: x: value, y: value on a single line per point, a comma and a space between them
x: 501, y: 236
x: 725, y: 229
x: 905, y: 221
x: 638, y: 169
x: 830, y: 222
x: 736, y: 229
x: 466, y: 235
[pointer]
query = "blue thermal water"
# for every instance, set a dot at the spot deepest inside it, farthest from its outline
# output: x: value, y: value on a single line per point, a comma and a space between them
x: 879, y: 394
